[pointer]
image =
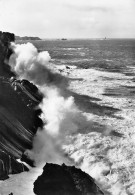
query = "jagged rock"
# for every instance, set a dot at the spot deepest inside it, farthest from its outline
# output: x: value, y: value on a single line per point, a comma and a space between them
x: 65, y: 180
x: 18, y: 118
x: 9, y: 165
x: 5, y: 52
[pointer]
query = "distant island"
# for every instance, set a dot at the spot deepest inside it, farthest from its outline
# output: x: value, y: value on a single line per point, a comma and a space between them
x: 25, y: 38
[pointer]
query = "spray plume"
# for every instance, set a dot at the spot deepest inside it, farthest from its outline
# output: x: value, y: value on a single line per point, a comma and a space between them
x: 28, y: 64
x: 60, y: 115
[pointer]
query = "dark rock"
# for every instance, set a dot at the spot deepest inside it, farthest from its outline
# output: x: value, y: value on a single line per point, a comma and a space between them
x: 9, y: 165
x: 18, y: 118
x: 67, y: 67
x: 24, y: 158
x: 65, y: 180
x: 5, y: 52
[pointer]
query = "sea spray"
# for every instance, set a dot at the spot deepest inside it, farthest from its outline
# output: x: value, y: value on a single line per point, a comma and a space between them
x: 60, y: 115
x: 30, y: 64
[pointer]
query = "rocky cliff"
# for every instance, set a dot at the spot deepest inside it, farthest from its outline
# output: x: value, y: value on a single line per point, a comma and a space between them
x: 18, y: 118
x: 19, y: 122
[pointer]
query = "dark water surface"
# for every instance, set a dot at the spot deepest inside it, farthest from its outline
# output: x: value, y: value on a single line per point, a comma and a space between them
x: 113, y: 55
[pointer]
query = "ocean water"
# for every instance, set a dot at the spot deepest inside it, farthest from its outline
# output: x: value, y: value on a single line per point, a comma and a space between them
x: 106, y: 95
x: 112, y: 55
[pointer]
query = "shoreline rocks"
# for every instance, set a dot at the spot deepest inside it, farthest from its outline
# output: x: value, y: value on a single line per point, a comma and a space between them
x: 65, y: 180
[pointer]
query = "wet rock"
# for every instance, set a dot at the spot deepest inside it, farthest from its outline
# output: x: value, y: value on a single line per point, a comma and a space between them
x: 26, y: 159
x: 65, y: 180
x: 67, y: 67
x: 9, y: 165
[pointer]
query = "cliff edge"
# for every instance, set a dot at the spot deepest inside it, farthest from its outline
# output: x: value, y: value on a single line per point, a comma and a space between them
x: 18, y: 118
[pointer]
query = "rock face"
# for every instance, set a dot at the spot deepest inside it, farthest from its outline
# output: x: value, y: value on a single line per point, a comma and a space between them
x: 18, y: 118
x: 8, y: 165
x: 65, y: 180
x: 5, y: 52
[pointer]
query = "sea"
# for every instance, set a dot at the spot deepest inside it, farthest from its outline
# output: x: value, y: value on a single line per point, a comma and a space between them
x: 112, y: 55
x: 107, y: 55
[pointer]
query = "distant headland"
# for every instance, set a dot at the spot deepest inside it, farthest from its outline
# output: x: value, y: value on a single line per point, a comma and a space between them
x: 25, y: 38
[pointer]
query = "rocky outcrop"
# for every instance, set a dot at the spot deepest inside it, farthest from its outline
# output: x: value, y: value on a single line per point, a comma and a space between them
x: 18, y: 118
x: 65, y: 180
x: 5, y: 52
x: 9, y: 165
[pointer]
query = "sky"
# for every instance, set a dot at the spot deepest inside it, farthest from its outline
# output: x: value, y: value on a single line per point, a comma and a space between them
x: 69, y: 18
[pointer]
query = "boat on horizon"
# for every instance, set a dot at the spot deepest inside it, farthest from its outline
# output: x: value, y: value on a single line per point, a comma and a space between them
x: 63, y: 39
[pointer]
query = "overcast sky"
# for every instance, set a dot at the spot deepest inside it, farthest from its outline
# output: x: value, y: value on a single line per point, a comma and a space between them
x: 69, y: 18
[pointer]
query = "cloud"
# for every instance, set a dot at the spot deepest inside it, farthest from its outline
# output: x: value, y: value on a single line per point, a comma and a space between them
x: 88, y: 8
x: 68, y: 18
